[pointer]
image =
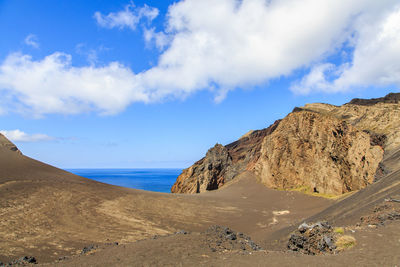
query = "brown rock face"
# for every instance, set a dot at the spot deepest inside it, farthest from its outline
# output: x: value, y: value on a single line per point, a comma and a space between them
x: 222, y: 163
x: 7, y: 144
x: 321, y: 153
x: 209, y: 173
x: 319, y: 147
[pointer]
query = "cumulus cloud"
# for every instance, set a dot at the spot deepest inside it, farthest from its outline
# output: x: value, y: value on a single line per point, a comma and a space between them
x: 20, y: 136
x: 160, y: 39
x: 219, y: 46
x: 129, y: 17
x: 375, y: 60
x: 32, y: 40
x: 53, y: 85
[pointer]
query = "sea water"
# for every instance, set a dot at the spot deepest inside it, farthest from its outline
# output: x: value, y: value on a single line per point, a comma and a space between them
x: 158, y: 180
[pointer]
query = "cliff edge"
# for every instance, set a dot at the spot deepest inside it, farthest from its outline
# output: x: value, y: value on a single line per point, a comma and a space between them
x: 319, y: 148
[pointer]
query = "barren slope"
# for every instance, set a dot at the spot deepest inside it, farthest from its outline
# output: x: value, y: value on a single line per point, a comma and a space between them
x: 49, y: 213
x: 375, y: 247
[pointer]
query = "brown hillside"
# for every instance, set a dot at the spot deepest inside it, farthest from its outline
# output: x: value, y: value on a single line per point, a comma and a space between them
x: 49, y: 213
x: 52, y: 214
x: 317, y: 148
x: 6, y: 144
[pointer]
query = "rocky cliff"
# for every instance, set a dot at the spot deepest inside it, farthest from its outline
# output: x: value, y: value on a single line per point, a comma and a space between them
x: 319, y: 147
x: 222, y: 163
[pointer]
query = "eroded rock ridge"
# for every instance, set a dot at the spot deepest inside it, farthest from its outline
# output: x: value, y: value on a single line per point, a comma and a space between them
x: 317, y: 148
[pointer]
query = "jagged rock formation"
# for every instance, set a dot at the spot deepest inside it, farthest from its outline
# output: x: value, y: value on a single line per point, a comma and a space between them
x: 210, y: 172
x: 222, y: 163
x: 319, y: 147
x: 7, y: 144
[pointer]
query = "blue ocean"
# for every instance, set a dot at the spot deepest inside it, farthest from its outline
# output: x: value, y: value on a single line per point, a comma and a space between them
x: 158, y: 180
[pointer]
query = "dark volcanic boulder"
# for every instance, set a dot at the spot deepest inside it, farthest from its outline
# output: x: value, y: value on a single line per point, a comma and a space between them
x: 313, y: 239
x: 221, y: 238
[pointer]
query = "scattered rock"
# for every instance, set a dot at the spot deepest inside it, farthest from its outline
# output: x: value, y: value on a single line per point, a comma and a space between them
x: 388, y: 211
x: 182, y: 232
x: 62, y: 258
x: 21, y: 261
x: 221, y: 238
x: 88, y: 249
x: 313, y: 239
x: 392, y: 200
x: 112, y: 244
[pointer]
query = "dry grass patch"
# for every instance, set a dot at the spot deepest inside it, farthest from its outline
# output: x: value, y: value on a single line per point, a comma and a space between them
x: 345, y: 242
x: 339, y: 230
x: 308, y: 191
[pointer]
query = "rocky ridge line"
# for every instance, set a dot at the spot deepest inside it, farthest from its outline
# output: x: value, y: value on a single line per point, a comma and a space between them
x: 319, y: 147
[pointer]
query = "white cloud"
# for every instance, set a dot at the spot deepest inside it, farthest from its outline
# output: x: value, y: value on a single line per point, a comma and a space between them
x: 218, y: 46
x: 129, y: 17
x: 315, y: 80
x: 160, y: 39
x: 20, y: 136
x: 32, y: 40
x: 53, y: 85
x: 375, y: 60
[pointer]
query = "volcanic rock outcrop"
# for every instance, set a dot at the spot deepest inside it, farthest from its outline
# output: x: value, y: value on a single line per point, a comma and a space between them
x: 222, y: 163
x: 319, y: 148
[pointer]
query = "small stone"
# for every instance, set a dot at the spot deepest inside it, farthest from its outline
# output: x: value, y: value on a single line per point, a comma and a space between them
x: 231, y: 236
x: 303, y: 227
x: 182, y: 232
x: 88, y: 249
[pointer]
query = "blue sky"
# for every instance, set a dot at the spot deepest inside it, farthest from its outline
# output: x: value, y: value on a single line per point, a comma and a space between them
x: 112, y: 84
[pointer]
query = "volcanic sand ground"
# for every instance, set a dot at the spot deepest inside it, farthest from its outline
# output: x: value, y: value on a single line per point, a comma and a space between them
x: 49, y: 213
x: 373, y: 248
